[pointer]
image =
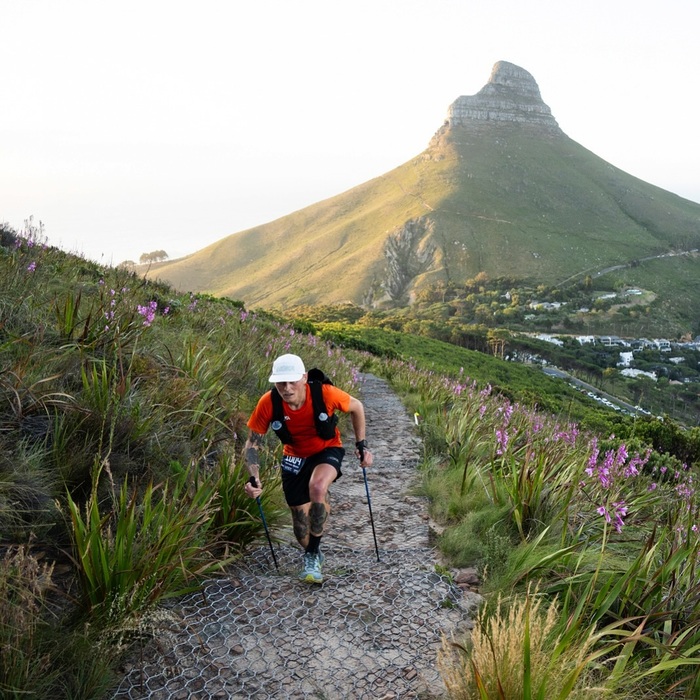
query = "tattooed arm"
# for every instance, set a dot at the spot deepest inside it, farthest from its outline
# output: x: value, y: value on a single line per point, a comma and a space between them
x: 357, y: 417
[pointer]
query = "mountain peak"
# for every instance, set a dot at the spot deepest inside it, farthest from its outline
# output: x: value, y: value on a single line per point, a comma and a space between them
x: 510, y: 95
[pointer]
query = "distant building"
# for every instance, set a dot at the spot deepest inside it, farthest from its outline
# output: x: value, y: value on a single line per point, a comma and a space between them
x: 546, y: 305
x: 612, y: 341
x: 629, y: 372
x: 625, y: 359
x: 585, y: 339
x: 643, y: 344
x: 550, y: 339
x: 662, y: 344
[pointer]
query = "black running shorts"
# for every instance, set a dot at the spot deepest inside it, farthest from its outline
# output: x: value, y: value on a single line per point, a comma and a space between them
x: 296, y: 486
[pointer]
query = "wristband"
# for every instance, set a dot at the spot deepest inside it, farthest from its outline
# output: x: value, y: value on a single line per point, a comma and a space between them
x: 361, y: 445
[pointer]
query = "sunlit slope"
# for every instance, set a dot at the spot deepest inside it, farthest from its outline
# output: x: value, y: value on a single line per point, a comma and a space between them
x: 504, y: 198
x: 542, y: 206
x: 328, y: 251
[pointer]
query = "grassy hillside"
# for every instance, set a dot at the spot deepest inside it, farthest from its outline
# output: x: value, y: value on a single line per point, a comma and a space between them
x: 333, y: 249
x: 547, y: 208
x: 502, y: 198
x: 122, y: 420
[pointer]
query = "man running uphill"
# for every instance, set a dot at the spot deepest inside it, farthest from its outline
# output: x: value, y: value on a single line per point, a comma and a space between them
x: 313, y: 450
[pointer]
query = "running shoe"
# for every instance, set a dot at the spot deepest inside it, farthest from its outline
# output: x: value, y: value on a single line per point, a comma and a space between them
x: 311, y: 571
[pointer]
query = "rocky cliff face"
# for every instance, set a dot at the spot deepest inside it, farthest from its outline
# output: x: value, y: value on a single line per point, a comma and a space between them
x: 511, y: 95
x: 408, y: 251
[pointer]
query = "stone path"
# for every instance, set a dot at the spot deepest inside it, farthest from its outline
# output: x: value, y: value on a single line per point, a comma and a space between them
x: 371, y: 630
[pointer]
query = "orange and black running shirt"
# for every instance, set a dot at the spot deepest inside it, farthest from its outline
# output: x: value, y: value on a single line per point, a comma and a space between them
x: 301, y: 423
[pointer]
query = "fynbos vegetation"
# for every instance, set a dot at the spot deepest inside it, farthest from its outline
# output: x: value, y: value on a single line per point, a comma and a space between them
x: 122, y: 416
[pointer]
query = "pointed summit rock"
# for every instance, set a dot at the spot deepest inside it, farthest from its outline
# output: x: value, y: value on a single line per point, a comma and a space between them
x: 511, y: 95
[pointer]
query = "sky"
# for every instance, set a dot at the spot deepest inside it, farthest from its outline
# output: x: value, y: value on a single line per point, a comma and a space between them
x: 134, y: 126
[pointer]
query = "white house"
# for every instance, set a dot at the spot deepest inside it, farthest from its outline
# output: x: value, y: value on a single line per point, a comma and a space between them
x: 629, y: 372
x: 625, y: 359
x: 612, y: 340
x: 550, y: 339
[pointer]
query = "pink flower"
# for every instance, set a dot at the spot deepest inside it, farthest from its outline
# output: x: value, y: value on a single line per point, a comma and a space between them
x: 148, y: 312
x: 502, y: 438
x: 620, y: 513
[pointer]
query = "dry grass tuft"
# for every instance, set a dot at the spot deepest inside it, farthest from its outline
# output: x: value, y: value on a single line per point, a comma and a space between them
x: 494, y: 662
x: 24, y: 582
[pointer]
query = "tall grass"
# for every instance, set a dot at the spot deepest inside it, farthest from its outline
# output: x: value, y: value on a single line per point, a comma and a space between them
x: 24, y: 583
x: 145, y: 547
x: 122, y: 420
x: 613, y: 540
x: 515, y: 651
x: 125, y: 403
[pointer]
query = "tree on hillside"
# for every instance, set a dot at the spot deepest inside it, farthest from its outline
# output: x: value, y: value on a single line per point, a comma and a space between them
x: 155, y: 256
x: 497, y: 339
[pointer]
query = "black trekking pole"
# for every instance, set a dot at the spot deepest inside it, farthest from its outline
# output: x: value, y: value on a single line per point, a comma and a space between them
x: 361, y: 450
x: 253, y: 483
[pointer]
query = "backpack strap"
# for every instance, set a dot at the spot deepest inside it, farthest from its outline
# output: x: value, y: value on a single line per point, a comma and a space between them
x: 325, y: 424
x: 278, y: 423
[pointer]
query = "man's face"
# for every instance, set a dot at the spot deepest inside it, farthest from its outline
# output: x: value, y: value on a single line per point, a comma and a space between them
x: 293, y: 393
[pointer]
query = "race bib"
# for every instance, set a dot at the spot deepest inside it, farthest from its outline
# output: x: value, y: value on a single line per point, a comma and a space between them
x: 292, y: 465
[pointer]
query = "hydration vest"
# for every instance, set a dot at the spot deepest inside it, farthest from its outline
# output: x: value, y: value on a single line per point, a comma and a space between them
x: 325, y: 424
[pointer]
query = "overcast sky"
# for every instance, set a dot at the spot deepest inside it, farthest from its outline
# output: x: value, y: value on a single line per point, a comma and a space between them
x: 133, y: 126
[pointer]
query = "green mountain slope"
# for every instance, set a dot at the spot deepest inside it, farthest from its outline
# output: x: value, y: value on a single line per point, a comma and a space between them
x: 500, y: 189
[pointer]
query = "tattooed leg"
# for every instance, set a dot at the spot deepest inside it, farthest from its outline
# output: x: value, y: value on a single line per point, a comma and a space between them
x: 317, y: 518
x: 300, y: 521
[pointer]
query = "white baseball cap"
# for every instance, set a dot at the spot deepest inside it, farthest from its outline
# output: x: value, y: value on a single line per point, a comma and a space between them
x: 287, y: 368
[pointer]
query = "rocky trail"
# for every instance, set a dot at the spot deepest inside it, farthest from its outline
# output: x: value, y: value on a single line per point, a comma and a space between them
x: 371, y: 630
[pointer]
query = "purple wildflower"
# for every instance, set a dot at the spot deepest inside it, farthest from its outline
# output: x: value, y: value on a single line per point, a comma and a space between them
x: 148, y: 312
x: 502, y: 439
x: 620, y: 513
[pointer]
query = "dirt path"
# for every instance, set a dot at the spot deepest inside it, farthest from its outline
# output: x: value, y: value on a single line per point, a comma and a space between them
x: 371, y: 630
